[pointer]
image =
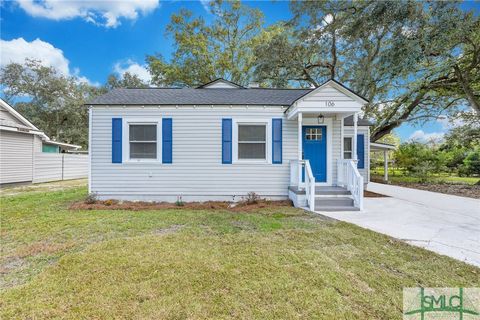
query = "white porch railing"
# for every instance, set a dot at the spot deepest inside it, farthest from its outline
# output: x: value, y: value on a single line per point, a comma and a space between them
x: 297, y: 167
x: 350, y: 178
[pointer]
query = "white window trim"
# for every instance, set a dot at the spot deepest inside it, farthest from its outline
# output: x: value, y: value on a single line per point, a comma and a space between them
x: 343, y: 142
x: 268, y: 143
x: 126, y: 139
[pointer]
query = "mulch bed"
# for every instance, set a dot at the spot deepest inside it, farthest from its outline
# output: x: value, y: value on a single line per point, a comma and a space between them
x: 463, y: 190
x: 209, y: 205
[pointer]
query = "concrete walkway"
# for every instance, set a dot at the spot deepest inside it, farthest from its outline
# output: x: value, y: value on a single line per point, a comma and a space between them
x: 445, y: 224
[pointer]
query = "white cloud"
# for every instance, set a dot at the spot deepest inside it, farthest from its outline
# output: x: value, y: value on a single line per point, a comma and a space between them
x: 422, y: 136
x: 206, y: 4
x: 17, y: 50
x: 327, y: 19
x: 102, y: 12
x: 132, y: 67
x: 448, y: 124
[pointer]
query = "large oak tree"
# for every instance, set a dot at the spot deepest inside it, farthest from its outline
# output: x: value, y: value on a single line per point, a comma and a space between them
x: 412, y: 60
x: 52, y: 102
x: 205, y: 51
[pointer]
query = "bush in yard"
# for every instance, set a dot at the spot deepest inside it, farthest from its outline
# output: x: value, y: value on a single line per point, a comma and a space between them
x: 91, y: 198
x: 472, y: 162
x: 423, y: 170
x: 252, y: 198
x: 179, y: 202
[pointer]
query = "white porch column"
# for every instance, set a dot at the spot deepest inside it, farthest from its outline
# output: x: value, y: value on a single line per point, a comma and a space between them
x: 385, y: 165
x: 354, y: 140
x: 300, y: 119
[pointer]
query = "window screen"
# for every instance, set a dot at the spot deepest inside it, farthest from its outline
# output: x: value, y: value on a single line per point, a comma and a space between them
x: 347, y: 148
x: 252, y: 141
x: 143, y: 141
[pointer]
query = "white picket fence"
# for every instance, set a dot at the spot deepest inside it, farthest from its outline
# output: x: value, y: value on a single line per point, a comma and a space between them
x: 59, y: 166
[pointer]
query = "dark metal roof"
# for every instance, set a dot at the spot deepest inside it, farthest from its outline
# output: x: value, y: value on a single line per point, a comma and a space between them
x: 348, y: 121
x: 207, y: 96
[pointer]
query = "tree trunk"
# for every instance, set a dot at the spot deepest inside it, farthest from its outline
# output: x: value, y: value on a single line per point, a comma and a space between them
x: 387, y: 127
x: 472, y: 99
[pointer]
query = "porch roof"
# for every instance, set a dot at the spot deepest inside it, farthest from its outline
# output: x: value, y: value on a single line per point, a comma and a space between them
x: 378, y: 146
x: 348, y: 122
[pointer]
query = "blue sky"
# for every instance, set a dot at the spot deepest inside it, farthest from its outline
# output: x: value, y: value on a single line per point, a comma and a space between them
x: 95, y: 40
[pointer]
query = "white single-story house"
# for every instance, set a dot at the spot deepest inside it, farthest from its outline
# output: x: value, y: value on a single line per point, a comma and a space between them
x: 24, y: 149
x: 221, y: 141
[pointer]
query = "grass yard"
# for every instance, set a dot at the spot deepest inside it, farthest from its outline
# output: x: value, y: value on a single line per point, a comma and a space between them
x: 397, y: 175
x: 277, y: 263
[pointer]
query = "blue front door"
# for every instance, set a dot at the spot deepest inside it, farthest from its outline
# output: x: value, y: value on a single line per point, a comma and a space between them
x: 315, y: 150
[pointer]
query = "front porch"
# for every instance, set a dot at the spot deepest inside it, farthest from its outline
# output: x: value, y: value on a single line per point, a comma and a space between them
x: 327, y: 198
x: 325, y: 175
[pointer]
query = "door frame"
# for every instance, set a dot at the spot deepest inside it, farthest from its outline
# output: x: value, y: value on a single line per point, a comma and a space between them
x: 328, y: 123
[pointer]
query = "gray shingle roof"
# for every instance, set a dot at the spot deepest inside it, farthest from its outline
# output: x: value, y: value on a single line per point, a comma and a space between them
x: 211, y: 96
x: 191, y: 96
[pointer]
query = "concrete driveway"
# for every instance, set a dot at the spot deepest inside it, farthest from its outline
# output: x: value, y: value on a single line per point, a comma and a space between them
x: 445, y: 224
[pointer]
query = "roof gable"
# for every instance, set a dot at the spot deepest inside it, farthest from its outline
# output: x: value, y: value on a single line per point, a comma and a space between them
x: 15, y: 116
x: 220, y: 83
x: 334, y: 89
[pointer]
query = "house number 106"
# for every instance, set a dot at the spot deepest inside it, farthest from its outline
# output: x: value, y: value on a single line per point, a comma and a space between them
x: 329, y: 104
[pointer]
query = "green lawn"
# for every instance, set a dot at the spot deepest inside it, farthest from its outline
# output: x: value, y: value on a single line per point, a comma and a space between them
x: 277, y: 263
x: 397, y: 175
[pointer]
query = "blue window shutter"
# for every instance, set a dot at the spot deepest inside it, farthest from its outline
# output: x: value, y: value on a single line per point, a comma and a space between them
x: 276, y: 141
x: 361, y: 151
x: 116, y: 140
x: 226, y: 141
x: 167, y: 140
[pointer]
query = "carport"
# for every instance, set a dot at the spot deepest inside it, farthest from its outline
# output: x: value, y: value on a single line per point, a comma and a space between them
x: 385, y: 148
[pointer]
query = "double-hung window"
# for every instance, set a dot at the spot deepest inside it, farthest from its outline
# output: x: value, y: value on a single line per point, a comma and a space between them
x: 347, y: 148
x: 143, y: 141
x: 252, y: 141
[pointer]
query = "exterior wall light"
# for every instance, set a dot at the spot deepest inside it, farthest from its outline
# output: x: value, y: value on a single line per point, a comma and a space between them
x: 320, y: 118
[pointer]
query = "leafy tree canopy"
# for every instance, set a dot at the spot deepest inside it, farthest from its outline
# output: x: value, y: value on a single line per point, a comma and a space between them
x: 203, y: 52
x: 412, y: 60
x: 127, y: 80
x: 53, y: 102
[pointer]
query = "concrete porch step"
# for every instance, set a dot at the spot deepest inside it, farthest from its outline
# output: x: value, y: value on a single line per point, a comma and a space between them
x: 335, y: 203
x: 322, y: 191
x: 335, y: 208
x: 331, y: 191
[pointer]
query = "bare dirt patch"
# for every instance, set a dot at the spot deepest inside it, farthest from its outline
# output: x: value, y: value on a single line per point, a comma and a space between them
x: 171, y: 229
x: 463, y: 190
x: 370, y: 194
x: 11, y: 264
x: 209, y: 205
x: 42, y: 247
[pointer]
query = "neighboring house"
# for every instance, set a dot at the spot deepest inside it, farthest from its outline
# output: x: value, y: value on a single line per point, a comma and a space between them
x: 221, y: 141
x: 22, y: 149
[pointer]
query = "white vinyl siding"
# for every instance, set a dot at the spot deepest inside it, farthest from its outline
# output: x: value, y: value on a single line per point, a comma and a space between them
x: 5, y: 115
x: 16, y: 157
x: 197, y: 170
